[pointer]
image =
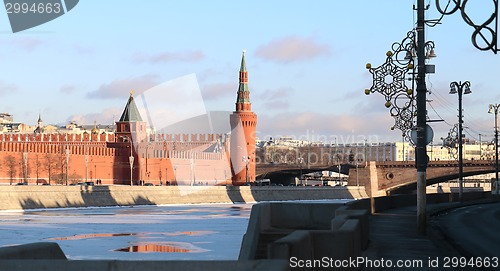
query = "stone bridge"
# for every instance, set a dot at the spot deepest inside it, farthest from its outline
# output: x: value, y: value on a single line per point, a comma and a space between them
x: 382, y: 178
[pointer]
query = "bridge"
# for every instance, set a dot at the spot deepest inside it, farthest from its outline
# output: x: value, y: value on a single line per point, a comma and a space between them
x: 381, y: 178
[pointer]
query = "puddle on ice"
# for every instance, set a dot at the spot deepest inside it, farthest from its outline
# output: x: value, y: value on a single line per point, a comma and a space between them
x: 171, y: 247
x: 180, y: 232
x: 92, y: 235
x: 105, y: 235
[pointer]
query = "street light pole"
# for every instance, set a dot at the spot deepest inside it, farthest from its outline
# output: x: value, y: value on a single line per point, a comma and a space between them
x: 421, y: 127
x: 86, y: 164
x: 460, y: 89
x: 25, y: 161
x: 301, y: 161
x: 246, y: 159
x: 494, y: 109
x: 67, y: 164
x: 357, y: 176
x: 131, y: 162
x: 175, y: 174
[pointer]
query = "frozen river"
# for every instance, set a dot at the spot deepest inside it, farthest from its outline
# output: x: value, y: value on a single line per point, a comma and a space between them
x: 181, y: 232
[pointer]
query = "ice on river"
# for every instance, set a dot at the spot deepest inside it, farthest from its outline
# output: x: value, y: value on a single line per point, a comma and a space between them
x: 173, y: 232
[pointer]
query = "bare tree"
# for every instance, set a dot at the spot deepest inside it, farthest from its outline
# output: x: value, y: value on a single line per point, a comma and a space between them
x: 50, y: 165
x: 11, y: 164
x: 60, y: 165
x: 38, y: 164
x: 26, y: 169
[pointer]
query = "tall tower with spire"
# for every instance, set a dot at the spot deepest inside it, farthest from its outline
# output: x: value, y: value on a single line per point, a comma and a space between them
x: 39, y: 127
x: 130, y: 127
x: 243, y: 126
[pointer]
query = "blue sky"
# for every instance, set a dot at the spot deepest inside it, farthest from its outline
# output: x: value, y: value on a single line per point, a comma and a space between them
x: 306, y: 63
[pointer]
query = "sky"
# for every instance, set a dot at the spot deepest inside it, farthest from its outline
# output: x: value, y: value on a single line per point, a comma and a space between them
x: 306, y: 63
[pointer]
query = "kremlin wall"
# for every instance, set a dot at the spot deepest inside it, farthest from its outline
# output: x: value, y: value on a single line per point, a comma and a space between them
x: 130, y: 155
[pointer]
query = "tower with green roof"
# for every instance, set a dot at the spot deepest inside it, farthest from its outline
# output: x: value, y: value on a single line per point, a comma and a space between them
x: 243, y: 127
x: 131, y: 127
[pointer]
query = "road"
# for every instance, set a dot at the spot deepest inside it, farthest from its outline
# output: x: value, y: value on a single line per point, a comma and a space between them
x: 473, y: 230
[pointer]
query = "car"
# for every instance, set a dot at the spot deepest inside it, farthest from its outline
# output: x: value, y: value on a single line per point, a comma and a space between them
x: 148, y: 184
x: 22, y: 184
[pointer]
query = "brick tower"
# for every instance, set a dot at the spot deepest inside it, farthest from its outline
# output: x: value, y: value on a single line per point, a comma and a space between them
x: 130, y: 126
x: 243, y: 125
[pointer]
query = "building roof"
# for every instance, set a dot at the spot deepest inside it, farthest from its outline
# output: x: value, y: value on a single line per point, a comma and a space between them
x: 131, y: 113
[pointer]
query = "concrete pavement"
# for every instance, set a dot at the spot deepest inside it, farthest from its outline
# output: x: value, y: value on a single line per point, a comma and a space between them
x: 395, y: 243
x: 472, y: 230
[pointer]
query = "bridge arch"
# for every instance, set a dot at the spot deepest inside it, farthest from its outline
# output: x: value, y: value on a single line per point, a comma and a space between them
x: 382, y: 178
x: 411, y: 186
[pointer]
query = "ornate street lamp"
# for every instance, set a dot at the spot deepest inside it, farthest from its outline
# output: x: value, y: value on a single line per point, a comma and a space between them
x: 389, y: 79
x: 494, y: 109
x: 451, y: 142
x: 484, y: 31
x: 460, y: 89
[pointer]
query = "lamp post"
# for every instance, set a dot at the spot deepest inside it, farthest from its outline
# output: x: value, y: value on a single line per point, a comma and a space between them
x: 246, y: 159
x: 86, y: 167
x: 460, y: 89
x: 130, y: 160
x: 175, y: 174
x: 389, y: 80
x: 494, y: 109
x: 357, y: 176
x: 67, y: 164
x: 25, y: 161
x: 301, y: 161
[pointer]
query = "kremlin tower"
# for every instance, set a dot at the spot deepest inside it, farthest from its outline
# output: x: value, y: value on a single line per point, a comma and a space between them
x: 243, y: 125
x: 130, y: 127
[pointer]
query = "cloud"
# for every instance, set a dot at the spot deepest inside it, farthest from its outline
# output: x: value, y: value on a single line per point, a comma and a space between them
x: 291, y: 49
x: 6, y: 88
x: 82, y: 49
x: 276, y: 99
x: 121, y: 87
x: 219, y: 90
x: 68, y: 89
x: 27, y: 43
x: 107, y: 116
x: 184, y: 56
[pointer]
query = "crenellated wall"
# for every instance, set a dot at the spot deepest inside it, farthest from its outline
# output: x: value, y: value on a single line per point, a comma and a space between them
x: 42, y: 158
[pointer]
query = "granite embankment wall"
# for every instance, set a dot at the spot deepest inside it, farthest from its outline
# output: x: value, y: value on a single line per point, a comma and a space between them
x: 31, y: 197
